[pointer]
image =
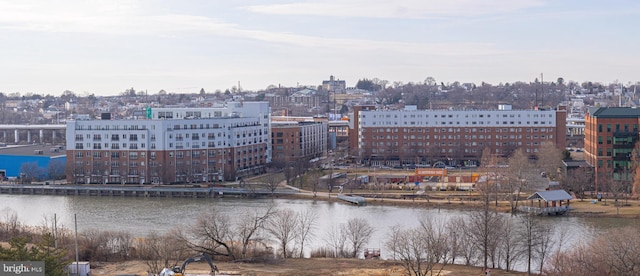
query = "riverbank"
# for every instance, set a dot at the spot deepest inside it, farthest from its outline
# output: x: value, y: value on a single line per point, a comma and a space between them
x: 316, y: 266
x: 447, y: 200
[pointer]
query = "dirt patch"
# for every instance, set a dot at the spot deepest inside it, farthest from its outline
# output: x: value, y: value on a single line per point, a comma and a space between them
x: 302, y: 267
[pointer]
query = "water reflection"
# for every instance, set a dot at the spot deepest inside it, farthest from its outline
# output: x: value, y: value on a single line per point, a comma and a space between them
x: 143, y: 215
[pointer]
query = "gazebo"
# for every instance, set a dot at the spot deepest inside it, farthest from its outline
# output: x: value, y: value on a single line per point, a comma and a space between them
x: 554, y: 202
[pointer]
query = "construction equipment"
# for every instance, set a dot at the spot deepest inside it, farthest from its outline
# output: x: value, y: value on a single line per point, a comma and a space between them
x: 179, y: 270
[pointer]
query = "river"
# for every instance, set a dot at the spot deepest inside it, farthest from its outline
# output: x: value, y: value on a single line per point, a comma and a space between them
x: 143, y: 215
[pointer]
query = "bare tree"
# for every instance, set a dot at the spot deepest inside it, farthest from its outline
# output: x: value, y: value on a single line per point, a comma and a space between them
x: 536, y: 239
x: 616, y: 252
x: 314, y: 180
x: 271, y: 182
x: 617, y: 188
x: 157, y: 251
x: 289, y: 173
x: 466, y: 247
x: 545, y: 243
x: 119, y: 244
x: 10, y: 225
x: 283, y: 226
x: 493, y: 174
x: 216, y: 234
x: 622, y: 247
x: 249, y: 228
x: 549, y: 160
x: 420, y: 249
x: 212, y: 233
x: 306, y: 227
x: 336, y: 239
x: 56, y: 169
x: 578, y: 181
x: 30, y: 171
x: 522, y: 177
x: 509, y: 245
x: 358, y: 232
x: 484, y: 228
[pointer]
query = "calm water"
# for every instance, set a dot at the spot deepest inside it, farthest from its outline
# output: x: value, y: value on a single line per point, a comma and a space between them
x: 143, y: 215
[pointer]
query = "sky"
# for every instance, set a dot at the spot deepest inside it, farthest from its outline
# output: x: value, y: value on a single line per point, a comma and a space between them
x: 105, y: 47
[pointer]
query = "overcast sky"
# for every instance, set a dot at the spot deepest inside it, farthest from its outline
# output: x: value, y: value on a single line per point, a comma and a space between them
x: 106, y: 47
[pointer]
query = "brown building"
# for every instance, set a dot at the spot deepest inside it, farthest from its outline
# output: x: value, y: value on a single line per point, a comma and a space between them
x: 610, y: 136
x: 295, y: 141
x: 455, y: 137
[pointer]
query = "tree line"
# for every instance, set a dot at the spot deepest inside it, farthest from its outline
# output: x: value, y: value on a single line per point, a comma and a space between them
x: 483, y: 238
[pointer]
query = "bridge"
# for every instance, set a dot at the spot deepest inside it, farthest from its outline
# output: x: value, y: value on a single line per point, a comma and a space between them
x: 29, y: 128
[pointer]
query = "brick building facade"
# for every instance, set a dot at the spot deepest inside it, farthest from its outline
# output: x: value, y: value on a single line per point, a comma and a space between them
x: 171, y: 145
x: 610, y: 136
x: 456, y: 137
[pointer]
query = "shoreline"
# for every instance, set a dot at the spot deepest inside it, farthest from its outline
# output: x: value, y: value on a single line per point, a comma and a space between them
x: 580, y: 208
x: 436, y: 200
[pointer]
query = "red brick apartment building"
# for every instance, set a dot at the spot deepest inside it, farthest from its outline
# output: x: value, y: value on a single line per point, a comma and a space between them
x: 296, y: 141
x: 171, y: 145
x: 609, y: 138
x: 456, y: 137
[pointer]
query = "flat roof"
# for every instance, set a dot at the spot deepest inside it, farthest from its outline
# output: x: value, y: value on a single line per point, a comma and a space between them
x: 30, y: 150
x: 576, y: 163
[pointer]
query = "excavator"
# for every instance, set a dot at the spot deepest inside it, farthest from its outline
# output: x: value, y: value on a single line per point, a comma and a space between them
x: 179, y: 270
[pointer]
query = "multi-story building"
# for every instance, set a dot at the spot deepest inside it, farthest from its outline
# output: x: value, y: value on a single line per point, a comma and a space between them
x: 610, y: 136
x: 171, y: 145
x: 295, y: 141
x: 334, y: 84
x: 456, y: 137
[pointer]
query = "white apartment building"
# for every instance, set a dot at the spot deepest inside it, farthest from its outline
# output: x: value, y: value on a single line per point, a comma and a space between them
x: 171, y: 145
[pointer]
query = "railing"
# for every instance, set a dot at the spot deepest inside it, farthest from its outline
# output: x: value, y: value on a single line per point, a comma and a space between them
x: 544, y: 210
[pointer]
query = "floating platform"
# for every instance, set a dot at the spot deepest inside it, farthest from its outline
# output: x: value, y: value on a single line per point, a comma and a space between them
x: 357, y: 200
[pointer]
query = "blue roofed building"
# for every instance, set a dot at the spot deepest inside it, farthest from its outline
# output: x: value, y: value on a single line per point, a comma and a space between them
x: 36, y: 162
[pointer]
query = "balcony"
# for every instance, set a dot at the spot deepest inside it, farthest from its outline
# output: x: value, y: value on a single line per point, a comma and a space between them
x: 622, y: 157
x: 623, y: 145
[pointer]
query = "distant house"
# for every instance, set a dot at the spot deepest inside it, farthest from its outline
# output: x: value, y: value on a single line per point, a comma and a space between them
x: 554, y: 202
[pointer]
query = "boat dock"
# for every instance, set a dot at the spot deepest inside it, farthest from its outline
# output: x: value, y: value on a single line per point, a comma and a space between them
x: 136, y: 191
x: 357, y: 200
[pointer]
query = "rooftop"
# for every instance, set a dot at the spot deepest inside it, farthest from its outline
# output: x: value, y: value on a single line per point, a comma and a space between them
x: 614, y: 112
x: 33, y: 150
x: 553, y: 195
x: 576, y: 163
